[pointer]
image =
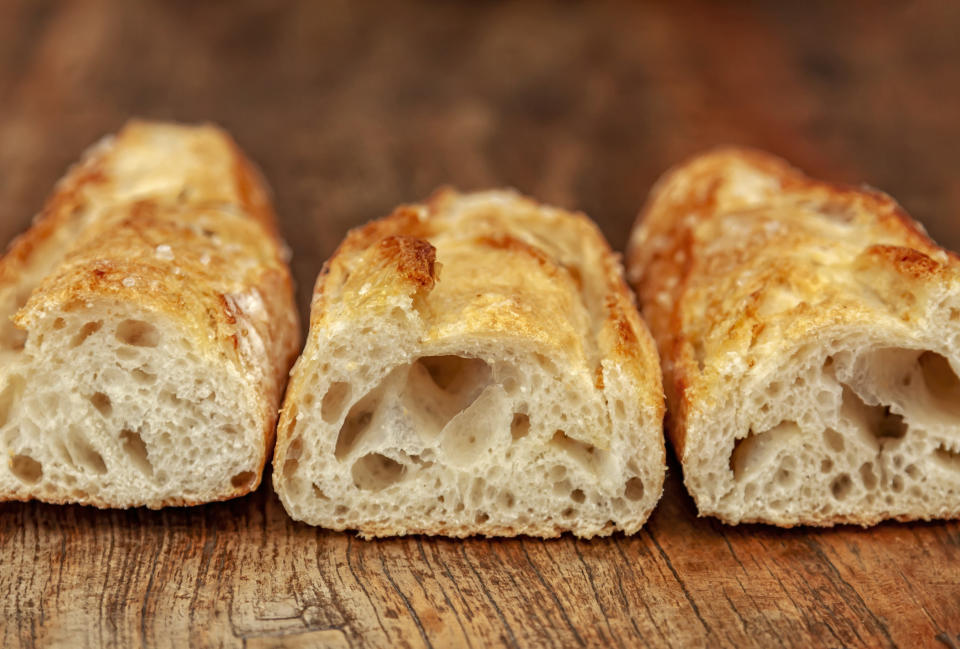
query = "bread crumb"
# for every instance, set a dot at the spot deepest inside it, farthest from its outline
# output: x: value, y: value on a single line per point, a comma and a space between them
x: 164, y: 252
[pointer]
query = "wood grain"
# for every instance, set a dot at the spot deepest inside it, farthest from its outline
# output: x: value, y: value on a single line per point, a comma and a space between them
x: 354, y: 107
x: 243, y: 574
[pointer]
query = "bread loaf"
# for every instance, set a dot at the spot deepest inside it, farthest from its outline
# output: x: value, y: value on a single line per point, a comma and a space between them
x: 147, y: 328
x: 474, y: 365
x: 810, y: 337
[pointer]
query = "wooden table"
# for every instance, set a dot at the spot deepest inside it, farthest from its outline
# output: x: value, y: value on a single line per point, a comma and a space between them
x: 351, y: 108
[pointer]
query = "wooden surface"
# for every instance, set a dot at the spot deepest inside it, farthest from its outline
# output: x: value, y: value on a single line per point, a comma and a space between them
x: 351, y: 108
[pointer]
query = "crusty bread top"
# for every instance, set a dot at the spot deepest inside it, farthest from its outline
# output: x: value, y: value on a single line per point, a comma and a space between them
x: 175, y: 219
x: 736, y: 250
x: 562, y: 258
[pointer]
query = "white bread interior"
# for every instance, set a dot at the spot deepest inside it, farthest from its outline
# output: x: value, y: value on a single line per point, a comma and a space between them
x: 148, y: 325
x: 473, y: 366
x: 810, y: 337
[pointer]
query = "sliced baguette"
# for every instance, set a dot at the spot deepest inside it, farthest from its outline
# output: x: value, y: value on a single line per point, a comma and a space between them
x: 810, y: 337
x: 474, y: 365
x: 148, y: 326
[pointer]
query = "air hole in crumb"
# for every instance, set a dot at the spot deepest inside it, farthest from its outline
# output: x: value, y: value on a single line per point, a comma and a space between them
x: 880, y: 421
x: 520, y: 426
x: 577, y: 496
x: 742, y: 450
x: 441, y: 387
x: 138, y: 333
x: 340, y: 510
x: 374, y: 472
x: 126, y: 353
x: 59, y: 324
x: 143, y: 377
x: 482, y: 517
x: 85, y: 454
x: 897, y: 484
x: 292, y: 460
x: 334, y: 400
x: 833, y: 439
x: 10, y: 393
x: 568, y: 512
x: 911, y: 470
x: 586, y: 454
x: 940, y: 379
x: 891, y: 425
x: 102, y: 403
x: 243, y: 480
x: 318, y: 493
x: 634, y: 490
x: 506, y: 500
x: 826, y: 465
x: 456, y: 373
x: 562, y: 487
x: 841, y: 486
x: 544, y: 362
x: 134, y: 447
x: 85, y: 332
x: 947, y: 458
x: 355, y: 424
x: 867, y: 476
x: 784, y: 477
x: 26, y: 469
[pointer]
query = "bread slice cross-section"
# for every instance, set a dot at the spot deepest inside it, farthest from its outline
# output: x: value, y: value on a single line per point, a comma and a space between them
x: 474, y: 365
x: 147, y: 327
x: 810, y: 337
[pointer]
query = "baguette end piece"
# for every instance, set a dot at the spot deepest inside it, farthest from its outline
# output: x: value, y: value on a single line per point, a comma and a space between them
x: 811, y: 340
x: 149, y: 325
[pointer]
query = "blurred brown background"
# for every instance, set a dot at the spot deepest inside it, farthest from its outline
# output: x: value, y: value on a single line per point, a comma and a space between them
x: 353, y: 107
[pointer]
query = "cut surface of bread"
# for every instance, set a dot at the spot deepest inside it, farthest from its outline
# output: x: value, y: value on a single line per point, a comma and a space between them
x: 148, y: 324
x: 810, y: 338
x: 474, y: 365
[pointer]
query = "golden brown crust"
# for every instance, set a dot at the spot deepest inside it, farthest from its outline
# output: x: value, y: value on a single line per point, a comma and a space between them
x: 189, y: 240
x: 735, y: 249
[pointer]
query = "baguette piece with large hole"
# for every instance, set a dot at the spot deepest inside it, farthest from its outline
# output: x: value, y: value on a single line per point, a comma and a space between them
x: 810, y: 337
x: 474, y: 365
x: 147, y: 327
